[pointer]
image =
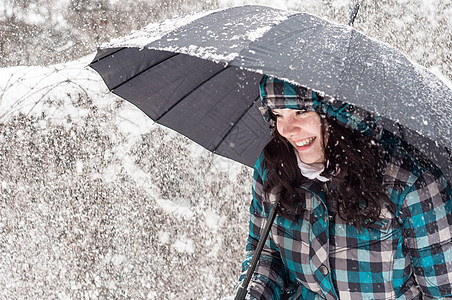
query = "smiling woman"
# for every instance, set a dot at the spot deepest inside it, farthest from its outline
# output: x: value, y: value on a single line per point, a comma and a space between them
x: 359, y: 209
x: 307, y: 144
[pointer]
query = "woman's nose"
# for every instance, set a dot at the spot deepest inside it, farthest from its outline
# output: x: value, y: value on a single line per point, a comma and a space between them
x: 286, y: 127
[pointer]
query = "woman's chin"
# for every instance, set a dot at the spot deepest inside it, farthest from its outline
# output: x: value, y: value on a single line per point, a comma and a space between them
x: 310, y: 159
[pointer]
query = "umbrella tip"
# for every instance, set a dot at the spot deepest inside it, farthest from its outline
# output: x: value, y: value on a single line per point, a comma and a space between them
x: 353, y: 14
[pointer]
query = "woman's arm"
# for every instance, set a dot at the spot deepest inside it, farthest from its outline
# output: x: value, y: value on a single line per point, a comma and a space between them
x: 427, y: 215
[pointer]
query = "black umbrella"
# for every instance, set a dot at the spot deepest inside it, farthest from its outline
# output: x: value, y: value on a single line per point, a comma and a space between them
x: 199, y: 75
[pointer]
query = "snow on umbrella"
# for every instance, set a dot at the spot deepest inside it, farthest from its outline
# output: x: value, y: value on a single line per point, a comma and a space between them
x: 199, y: 75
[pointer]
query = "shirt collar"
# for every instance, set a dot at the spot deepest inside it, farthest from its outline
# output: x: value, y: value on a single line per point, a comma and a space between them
x: 311, y: 171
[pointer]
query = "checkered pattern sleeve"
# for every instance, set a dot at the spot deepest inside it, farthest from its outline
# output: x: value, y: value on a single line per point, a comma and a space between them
x: 269, y: 276
x: 427, y: 220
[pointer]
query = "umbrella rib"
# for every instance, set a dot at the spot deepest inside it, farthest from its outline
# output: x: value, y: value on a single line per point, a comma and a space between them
x: 449, y: 152
x: 238, y: 120
x: 110, y: 54
x: 190, y: 92
x: 138, y: 74
x: 401, y: 131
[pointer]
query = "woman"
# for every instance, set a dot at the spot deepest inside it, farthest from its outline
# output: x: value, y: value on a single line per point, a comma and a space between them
x: 362, y: 215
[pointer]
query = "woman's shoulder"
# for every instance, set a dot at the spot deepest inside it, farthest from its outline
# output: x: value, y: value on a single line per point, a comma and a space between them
x: 407, y: 170
x: 404, y: 162
x: 260, y: 169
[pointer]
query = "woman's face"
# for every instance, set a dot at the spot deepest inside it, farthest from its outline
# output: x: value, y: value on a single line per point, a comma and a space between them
x: 303, y: 130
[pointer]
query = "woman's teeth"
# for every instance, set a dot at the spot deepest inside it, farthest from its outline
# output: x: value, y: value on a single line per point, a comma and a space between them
x: 305, y: 142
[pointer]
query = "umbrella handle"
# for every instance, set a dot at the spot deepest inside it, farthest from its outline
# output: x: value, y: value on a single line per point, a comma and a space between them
x: 242, y: 291
x: 353, y: 14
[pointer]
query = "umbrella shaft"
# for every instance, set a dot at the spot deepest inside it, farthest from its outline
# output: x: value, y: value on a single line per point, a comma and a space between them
x: 257, y: 253
x: 353, y: 14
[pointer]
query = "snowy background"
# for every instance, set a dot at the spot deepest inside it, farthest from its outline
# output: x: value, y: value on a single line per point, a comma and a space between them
x: 97, y: 201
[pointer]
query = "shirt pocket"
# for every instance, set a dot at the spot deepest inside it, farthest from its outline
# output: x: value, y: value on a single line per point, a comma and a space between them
x: 292, y: 241
x: 387, y: 228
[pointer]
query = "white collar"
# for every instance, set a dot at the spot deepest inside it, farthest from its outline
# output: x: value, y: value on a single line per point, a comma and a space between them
x: 311, y: 171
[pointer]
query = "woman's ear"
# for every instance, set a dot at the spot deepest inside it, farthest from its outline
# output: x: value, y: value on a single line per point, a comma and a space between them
x: 272, y: 125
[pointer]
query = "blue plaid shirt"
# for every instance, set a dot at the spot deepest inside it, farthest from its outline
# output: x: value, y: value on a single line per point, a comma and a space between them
x: 406, y: 256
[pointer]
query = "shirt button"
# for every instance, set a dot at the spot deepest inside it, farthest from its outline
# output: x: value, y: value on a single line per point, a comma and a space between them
x: 324, y: 270
x: 325, y: 218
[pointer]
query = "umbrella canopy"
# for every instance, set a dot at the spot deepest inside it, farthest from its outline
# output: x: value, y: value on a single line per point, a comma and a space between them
x: 199, y: 75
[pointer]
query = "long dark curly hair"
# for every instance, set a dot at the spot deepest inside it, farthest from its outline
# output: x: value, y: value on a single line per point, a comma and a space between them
x: 353, y: 162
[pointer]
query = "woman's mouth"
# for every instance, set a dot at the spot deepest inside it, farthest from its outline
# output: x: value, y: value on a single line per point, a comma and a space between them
x: 305, y: 142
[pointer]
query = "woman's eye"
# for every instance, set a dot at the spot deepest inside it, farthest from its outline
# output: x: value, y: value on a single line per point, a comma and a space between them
x: 299, y: 112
